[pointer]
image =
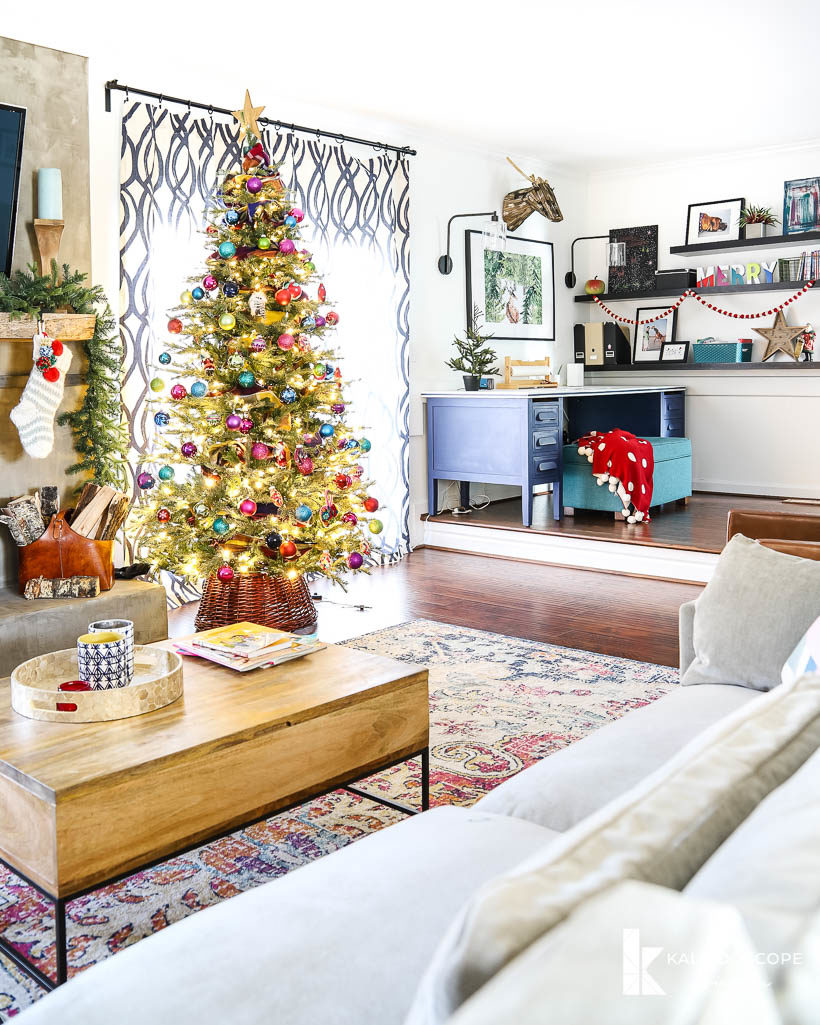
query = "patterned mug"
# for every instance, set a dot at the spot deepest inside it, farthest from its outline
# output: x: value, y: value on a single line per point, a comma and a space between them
x: 120, y: 626
x: 102, y: 660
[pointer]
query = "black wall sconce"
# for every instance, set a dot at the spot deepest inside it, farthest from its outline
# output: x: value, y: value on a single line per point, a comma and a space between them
x: 616, y: 257
x: 445, y: 263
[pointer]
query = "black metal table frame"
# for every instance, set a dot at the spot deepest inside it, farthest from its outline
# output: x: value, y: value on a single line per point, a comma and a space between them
x: 61, y: 943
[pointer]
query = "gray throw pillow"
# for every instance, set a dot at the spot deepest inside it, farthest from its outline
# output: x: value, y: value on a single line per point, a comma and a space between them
x: 751, y: 614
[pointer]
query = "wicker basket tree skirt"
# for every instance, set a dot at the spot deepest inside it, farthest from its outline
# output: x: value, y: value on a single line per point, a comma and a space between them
x: 34, y: 687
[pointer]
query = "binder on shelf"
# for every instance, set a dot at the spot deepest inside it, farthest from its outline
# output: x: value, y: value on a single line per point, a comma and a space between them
x: 597, y: 344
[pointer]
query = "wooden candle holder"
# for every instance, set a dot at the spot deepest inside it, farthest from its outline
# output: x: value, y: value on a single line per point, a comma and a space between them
x: 48, y: 234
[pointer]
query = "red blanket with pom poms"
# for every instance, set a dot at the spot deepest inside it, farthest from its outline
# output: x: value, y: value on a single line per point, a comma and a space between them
x: 627, y: 464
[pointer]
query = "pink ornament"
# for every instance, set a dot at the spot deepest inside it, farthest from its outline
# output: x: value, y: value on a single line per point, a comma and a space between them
x: 260, y: 451
x: 286, y: 247
x: 225, y: 573
x: 298, y: 214
x: 342, y: 443
x: 351, y: 518
x: 209, y: 282
x: 233, y: 421
x: 254, y: 184
x: 338, y: 407
x: 285, y: 341
x: 178, y: 391
x: 247, y: 507
x: 258, y: 345
x: 246, y: 426
x: 188, y: 449
x: 355, y: 560
x: 306, y: 466
x: 358, y: 471
x: 303, y: 342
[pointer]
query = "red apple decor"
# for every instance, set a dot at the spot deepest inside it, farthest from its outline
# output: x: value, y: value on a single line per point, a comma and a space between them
x: 595, y: 287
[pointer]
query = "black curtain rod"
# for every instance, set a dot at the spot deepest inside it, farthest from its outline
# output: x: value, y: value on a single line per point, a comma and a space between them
x: 404, y: 151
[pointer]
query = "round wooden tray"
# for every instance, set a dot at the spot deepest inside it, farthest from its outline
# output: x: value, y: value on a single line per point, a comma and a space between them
x: 157, y: 681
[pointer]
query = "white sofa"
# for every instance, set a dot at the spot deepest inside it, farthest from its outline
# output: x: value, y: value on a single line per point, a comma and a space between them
x: 346, y: 939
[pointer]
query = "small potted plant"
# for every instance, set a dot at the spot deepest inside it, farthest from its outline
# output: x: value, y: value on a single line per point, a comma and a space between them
x: 753, y: 220
x: 475, y: 358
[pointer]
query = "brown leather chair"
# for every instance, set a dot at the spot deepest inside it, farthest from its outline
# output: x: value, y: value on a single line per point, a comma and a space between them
x: 792, y: 533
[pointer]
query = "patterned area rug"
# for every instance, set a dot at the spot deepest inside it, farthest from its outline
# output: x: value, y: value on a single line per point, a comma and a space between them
x: 498, y: 704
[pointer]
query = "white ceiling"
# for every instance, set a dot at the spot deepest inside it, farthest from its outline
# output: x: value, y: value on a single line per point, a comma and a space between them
x: 590, y: 85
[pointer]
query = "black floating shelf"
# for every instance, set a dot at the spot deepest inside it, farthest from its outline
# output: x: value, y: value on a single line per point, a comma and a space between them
x: 767, y: 242
x: 673, y: 293
x: 673, y: 368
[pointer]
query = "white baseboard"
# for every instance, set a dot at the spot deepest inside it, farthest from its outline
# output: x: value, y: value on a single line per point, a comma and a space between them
x: 641, y: 560
x: 735, y: 487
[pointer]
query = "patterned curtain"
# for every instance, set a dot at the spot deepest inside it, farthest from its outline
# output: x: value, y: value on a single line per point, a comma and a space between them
x: 356, y: 224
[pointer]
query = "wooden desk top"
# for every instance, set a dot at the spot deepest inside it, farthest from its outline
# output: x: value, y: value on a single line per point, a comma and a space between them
x: 220, y: 708
x: 562, y: 392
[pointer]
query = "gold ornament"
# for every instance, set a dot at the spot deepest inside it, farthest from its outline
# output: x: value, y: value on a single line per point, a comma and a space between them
x: 781, y: 337
x: 247, y: 116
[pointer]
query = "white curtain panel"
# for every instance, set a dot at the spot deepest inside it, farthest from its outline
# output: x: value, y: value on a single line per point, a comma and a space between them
x: 357, y: 227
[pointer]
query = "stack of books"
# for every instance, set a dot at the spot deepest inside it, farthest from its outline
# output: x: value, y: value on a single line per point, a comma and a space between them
x: 244, y: 646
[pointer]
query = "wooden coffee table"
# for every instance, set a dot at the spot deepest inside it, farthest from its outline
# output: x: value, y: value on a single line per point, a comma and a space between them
x: 85, y: 804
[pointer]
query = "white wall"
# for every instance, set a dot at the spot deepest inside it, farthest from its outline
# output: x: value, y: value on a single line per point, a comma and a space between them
x: 753, y: 432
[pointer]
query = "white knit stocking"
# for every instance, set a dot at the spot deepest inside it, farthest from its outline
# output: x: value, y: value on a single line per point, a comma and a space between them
x: 33, y: 416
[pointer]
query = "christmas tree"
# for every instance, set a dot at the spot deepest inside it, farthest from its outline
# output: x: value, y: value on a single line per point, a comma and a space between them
x: 255, y: 469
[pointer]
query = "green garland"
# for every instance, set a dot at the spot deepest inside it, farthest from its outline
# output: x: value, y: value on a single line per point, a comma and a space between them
x: 100, y: 436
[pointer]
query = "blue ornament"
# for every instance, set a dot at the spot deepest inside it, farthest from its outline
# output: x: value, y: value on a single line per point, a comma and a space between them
x: 308, y: 322
x: 326, y: 430
x: 365, y: 445
x: 230, y: 289
x: 291, y: 221
x: 288, y: 395
x: 165, y: 358
x: 162, y: 419
x: 252, y: 208
x: 198, y: 389
x: 166, y: 473
x: 221, y: 525
x: 329, y: 371
x: 198, y: 293
x: 246, y: 379
x: 303, y: 513
x: 232, y: 217
x: 227, y: 250
x: 352, y: 443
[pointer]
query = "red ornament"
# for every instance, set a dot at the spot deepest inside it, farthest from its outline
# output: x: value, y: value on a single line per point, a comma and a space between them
x: 178, y: 391
x: 282, y: 296
x: 52, y: 374
x: 306, y: 466
x: 247, y: 507
x: 295, y: 290
x: 371, y: 504
x: 332, y: 317
x: 175, y: 325
x: 322, y: 293
x: 287, y: 550
x: 343, y: 481
x: 225, y: 573
x: 163, y: 515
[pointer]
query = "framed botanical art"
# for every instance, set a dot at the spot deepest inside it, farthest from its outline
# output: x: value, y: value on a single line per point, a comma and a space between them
x: 801, y: 205
x: 650, y: 338
x: 715, y: 221
x: 674, y: 352
x: 513, y: 287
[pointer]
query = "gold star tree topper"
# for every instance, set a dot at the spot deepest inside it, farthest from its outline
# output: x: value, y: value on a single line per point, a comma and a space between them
x: 781, y: 337
x: 247, y: 116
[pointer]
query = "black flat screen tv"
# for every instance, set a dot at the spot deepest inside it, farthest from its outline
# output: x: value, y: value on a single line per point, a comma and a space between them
x: 12, y: 125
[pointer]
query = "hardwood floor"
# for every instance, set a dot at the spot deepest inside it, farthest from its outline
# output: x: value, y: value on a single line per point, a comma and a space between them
x: 612, y: 613
x: 699, y: 526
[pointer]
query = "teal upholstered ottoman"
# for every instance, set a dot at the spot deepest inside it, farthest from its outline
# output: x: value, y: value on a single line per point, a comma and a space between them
x: 672, y: 479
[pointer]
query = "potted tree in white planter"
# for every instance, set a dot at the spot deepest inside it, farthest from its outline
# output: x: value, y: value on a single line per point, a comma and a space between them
x: 475, y: 358
x: 755, y: 219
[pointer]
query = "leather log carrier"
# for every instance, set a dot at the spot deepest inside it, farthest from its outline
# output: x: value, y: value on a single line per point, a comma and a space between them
x: 60, y: 552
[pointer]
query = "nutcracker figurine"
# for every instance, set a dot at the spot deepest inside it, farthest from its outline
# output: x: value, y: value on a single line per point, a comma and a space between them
x: 807, y: 338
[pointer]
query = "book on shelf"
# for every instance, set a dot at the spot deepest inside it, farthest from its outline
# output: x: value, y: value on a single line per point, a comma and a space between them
x: 244, y: 646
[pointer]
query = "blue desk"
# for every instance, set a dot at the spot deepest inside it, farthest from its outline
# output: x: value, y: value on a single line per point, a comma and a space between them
x: 517, y: 437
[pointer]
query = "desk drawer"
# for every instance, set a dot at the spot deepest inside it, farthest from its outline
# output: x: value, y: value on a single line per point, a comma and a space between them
x: 543, y: 440
x: 673, y: 402
x: 544, y: 413
x: 545, y: 464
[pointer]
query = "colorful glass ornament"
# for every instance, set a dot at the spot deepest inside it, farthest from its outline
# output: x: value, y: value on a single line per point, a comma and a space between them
x: 273, y: 539
x: 163, y: 515
x: 305, y: 465
x: 309, y: 321
x: 230, y: 289
x: 253, y: 185
x: 145, y: 480
x: 303, y: 513
x: 297, y: 214
x: 332, y: 318
x: 295, y: 290
x: 246, y: 379
x: 247, y: 507
x: 276, y: 497
x: 188, y: 449
x: 364, y: 445
x: 375, y: 526
x: 213, y: 417
x: 322, y: 293
x: 232, y: 217
x: 199, y: 389
x: 288, y: 395
x: 225, y: 573
x: 221, y: 525
x: 328, y: 513
x: 186, y: 298
x: 246, y: 426
x: 343, y: 481
x: 282, y: 296
x: 319, y: 371
x: 285, y: 341
x: 209, y: 282
x: 198, y: 293
x: 326, y: 430
x: 164, y: 358
x: 227, y: 322
x: 157, y: 384
x: 263, y: 242
x: 286, y: 247
x: 200, y: 509
x: 166, y: 473
x: 338, y: 407
x: 355, y: 560
x: 290, y: 222
x: 236, y: 361
x: 320, y: 320
x: 371, y: 504
x: 288, y: 551
x: 211, y: 477
x: 352, y: 443
x: 175, y: 325
x: 178, y: 391
x: 351, y: 518
x: 227, y: 250
x: 233, y: 421
x: 208, y: 365
x: 259, y: 450
x: 161, y: 418
x: 358, y: 471
x: 258, y: 344
x: 310, y: 266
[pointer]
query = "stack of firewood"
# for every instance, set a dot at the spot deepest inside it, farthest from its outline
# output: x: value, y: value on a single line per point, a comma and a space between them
x: 100, y: 512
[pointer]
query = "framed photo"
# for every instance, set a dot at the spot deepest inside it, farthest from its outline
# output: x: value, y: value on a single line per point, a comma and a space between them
x: 674, y: 352
x: 716, y: 221
x: 513, y: 287
x: 801, y: 205
x: 650, y: 338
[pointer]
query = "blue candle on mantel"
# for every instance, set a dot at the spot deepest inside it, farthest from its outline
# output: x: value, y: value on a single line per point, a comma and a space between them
x: 50, y: 194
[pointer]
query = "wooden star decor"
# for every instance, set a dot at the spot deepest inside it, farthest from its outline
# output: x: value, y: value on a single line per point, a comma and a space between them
x: 247, y: 116
x: 781, y: 337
